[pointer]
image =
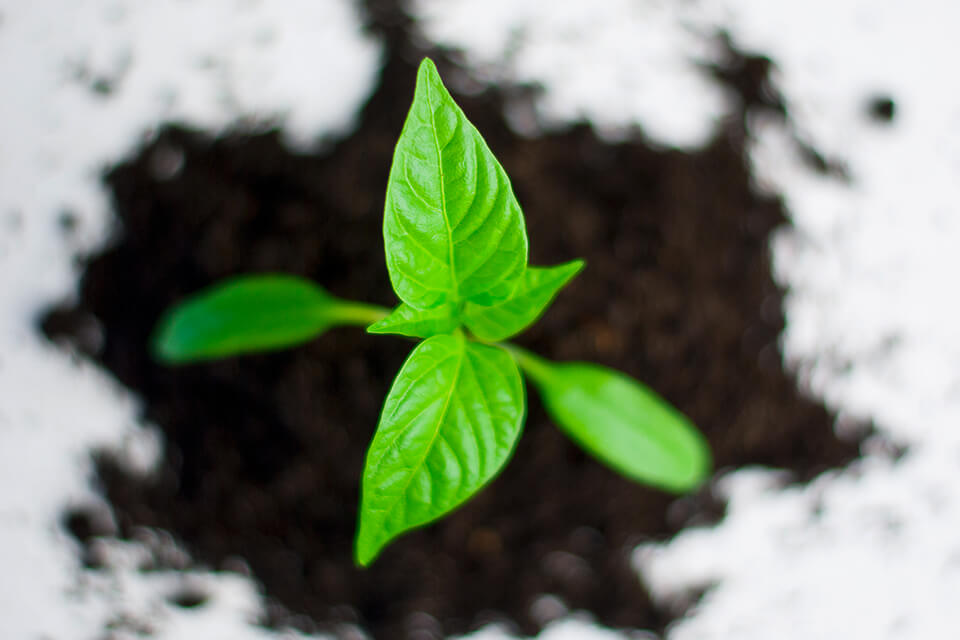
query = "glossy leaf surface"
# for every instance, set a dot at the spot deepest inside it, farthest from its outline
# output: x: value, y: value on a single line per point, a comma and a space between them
x: 452, y: 228
x: 448, y: 425
x: 622, y: 423
x: 537, y: 288
x: 249, y: 314
x: 417, y: 323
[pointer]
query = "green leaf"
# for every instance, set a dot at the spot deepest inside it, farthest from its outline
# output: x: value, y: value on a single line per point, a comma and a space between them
x: 252, y: 313
x: 452, y: 228
x: 417, y: 323
x: 448, y: 425
x: 533, y: 294
x: 621, y: 422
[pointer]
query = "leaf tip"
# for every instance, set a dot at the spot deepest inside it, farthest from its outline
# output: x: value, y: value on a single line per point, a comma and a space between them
x: 698, y: 469
x: 165, y: 344
x: 366, y: 547
x: 703, y: 465
x: 362, y: 557
x: 574, y: 267
x: 427, y: 69
x: 428, y: 78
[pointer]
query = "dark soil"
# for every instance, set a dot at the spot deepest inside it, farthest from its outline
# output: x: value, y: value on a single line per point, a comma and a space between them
x: 264, y: 454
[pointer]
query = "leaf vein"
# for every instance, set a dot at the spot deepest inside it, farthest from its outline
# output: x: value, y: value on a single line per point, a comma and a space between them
x: 402, y: 223
x: 473, y: 192
x: 414, y: 190
x: 433, y: 438
x: 415, y: 381
x: 463, y: 469
x: 486, y: 406
x: 443, y: 191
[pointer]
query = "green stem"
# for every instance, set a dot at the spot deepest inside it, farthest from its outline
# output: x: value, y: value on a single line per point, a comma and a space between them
x: 538, y: 368
x: 359, y: 313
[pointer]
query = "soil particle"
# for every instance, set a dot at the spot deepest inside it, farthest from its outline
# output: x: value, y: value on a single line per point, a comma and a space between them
x: 882, y: 109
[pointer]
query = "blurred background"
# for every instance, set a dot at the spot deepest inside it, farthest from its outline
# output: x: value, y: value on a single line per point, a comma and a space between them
x: 765, y: 197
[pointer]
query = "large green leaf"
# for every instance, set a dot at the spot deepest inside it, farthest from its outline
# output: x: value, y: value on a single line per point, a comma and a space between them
x: 533, y: 294
x: 252, y: 313
x: 448, y: 425
x: 452, y: 228
x: 417, y: 323
x: 621, y: 422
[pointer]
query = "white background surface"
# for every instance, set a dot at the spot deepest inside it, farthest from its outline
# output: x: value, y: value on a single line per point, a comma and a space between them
x: 867, y: 552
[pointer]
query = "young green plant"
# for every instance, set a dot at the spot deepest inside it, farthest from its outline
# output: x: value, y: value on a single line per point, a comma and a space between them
x: 456, y: 252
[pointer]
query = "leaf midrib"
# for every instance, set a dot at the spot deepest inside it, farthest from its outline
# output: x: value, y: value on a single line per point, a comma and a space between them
x: 433, y: 439
x: 443, y: 194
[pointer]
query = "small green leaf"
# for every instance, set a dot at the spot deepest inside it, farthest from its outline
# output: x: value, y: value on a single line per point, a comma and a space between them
x: 448, y: 425
x: 621, y: 422
x: 252, y: 313
x: 536, y: 290
x: 452, y: 228
x: 417, y: 323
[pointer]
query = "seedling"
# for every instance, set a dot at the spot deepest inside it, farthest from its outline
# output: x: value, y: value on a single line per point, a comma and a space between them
x: 456, y: 250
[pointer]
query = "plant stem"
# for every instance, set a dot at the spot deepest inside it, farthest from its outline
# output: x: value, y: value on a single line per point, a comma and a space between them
x: 359, y: 313
x: 536, y: 367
